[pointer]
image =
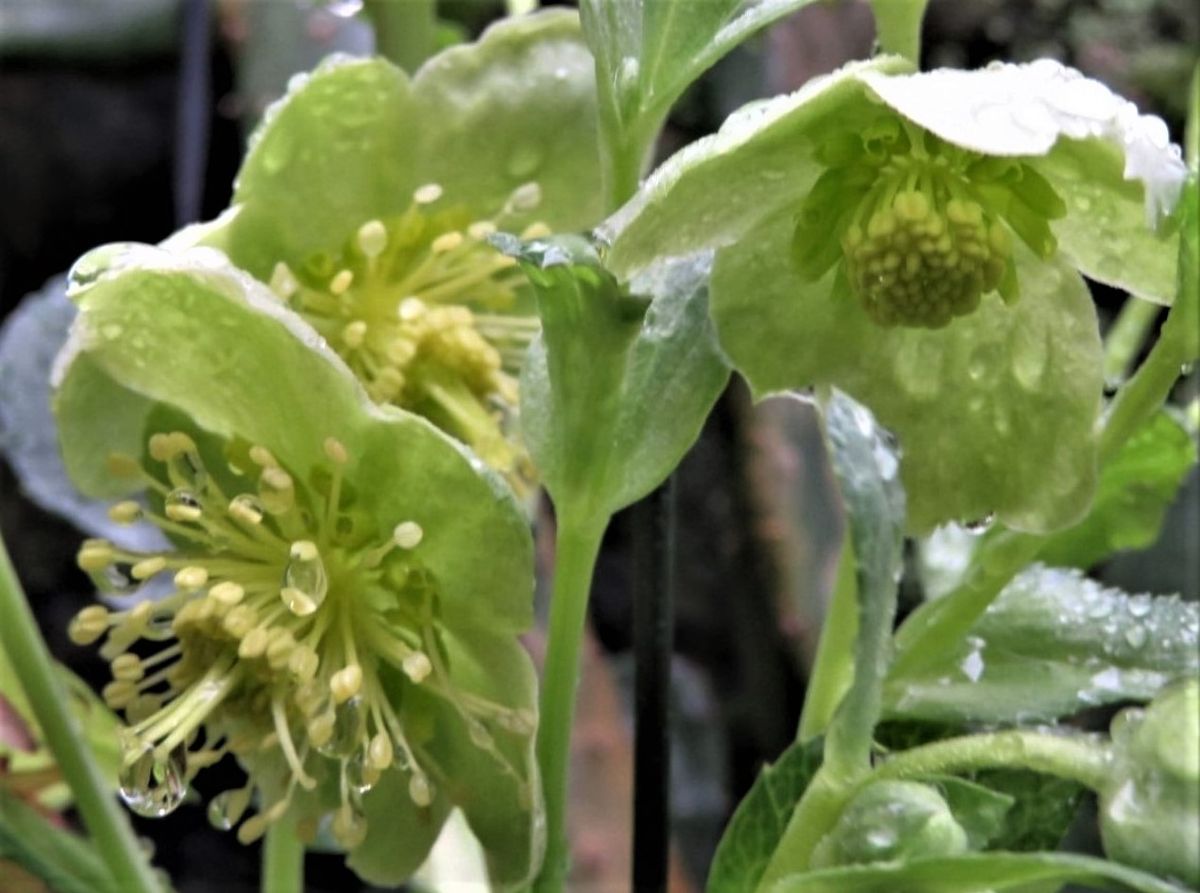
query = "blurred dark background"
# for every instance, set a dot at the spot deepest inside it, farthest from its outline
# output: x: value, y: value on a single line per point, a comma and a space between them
x: 107, y: 135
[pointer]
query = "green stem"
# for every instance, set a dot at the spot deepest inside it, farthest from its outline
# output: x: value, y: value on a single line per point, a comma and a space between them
x: 405, y: 30
x: 282, y: 860
x: 833, y: 668
x: 1075, y: 758
x: 106, y: 823
x: 1125, y: 338
x: 936, y: 625
x: 577, y: 544
x: 898, y: 26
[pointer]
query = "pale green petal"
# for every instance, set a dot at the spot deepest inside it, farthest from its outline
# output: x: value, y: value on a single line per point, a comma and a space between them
x: 399, y: 833
x: 351, y: 141
x: 1105, y: 234
x: 995, y: 412
x: 713, y: 191
x: 252, y: 368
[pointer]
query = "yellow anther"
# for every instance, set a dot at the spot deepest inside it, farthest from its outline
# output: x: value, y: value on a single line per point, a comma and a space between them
x: 427, y: 194
x: 254, y: 643
x: 118, y: 693
x: 88, y: 625
x: 121, y: 465
x: 227, y: 593
x: 252, y: 829
x: 182, y: 511
x: 127, y: 667
x: 280, y: 648
x: 419, y: 789
x: 335, y: 450
x: 277, y: 490
x: 354, y: 333
x: 525, y: 197
x: 372, y: 238
x: 407, y: 535
x: 304, y: 663
x: 379, y: 751
x: 410, y: 308
x: 125, y: 512
x: 536, y: 230
x: 416, y: 666
x: 191, y: 578
x: 244, y: 508
x: 304, y: 550
x: 148, y: 567
x: 339, y: 284
x: 262, y: 457
x: 283, y: 282
x: 320, y: 728
x: 345, y: 683
x: 298, y: 602
x: 481, y: 229
x: 94, y: 555
x: 240, y: 620
x: 446, y: 242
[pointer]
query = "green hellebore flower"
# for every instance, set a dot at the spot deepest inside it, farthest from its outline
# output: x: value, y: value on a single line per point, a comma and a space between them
x: 917, y: 241
x: 341, y: 607
x: 368, y: 195
x: 1150, y: 813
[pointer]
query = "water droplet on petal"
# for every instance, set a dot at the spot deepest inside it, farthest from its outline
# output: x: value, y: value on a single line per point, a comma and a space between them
x: 1136, y: 636
x: 524, y: 161
x: 305, y: 582
x: 154, y: 785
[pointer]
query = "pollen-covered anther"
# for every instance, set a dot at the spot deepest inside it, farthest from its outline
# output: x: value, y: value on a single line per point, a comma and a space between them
x: 446, y: 242
x: 88, y: 625
x: 126, y: 512
x: 427, y: 194
x: 918, y: 263
x: 148, y: 567
x: 416, y: 666
x: 341, y: 282
x: 372, y: 238
x: 346, y: 683
x: 408, y: 535
x: 191, y: 578
x: 94, y: 555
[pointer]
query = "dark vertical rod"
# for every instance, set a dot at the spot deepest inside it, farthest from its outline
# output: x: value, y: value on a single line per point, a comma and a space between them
x: 192, y: 115
x: 653, y: 639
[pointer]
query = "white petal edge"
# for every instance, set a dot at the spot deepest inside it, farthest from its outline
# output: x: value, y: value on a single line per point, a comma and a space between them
x: 1009, y: 109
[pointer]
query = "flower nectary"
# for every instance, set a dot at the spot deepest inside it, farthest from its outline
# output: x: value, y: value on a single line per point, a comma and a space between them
x: 291, y: 635
x: 922, y: 228
x: 420, y: 306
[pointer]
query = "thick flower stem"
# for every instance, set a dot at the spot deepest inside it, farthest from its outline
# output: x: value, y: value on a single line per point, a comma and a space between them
x: 108, y: 826
x: 898, y: 26
x: 282, y: 860
x: 1074, y: 758
x: 405, y: 30
x: 833, y: 668
x: 577, y: 545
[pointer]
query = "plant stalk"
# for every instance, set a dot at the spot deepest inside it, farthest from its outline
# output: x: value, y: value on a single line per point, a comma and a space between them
x: 833, y: 668
x: 405, y: 30
x: 898, y: 27
x: 1125, y: 338
x: 282, y: 860
x: 577, y: 543
x: 107, y: 824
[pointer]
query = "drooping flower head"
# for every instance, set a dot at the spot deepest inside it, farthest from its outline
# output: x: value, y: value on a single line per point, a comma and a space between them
x: 917, y: 240
x: 339, y: 605
x: 367, y: 197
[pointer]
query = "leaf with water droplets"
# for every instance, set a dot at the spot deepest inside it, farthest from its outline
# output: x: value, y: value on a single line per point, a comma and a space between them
x: 1054, y: 643
x: 1136, y: 488
x: 995, y: 412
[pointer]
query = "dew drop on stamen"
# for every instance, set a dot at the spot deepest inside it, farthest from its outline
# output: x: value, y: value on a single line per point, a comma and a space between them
x: 152, y: 785
x: 305, y: 582
x: 226, y: 808
x: 349, y: 722
x: 182, y: 504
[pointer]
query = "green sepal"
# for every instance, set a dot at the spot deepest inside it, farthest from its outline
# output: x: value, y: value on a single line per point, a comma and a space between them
x: 353, y: 139
x: 1015, y: 389
x: 253, y: 370
x: 616, y: 387
x: 65, y: 861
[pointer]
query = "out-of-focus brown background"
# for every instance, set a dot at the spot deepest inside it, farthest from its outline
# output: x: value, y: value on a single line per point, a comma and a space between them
x: 90, y: 94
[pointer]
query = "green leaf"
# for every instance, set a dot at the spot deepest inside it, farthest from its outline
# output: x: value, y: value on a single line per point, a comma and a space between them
x: 648, y: 51
x: 351, y: 141
x: 1054, y: 643
x: 190, y: 331
x: 995, y: 412
x: 756, y: 827
x: 67, y: 862
x: 615, y: 389
x: 1135, y: 490
x: 1044, y: 808
x: 977, y: 872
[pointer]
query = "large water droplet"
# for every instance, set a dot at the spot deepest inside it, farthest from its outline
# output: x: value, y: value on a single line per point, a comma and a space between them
x: 305, y: 582
x: 359, y: 776
x: 154, y: 785
x: 349, y: 724
x: 88, y: 270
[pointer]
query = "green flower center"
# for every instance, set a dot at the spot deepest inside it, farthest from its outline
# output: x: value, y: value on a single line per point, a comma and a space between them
x: 922, y: 228
x: 289, y: 629
x: 416, y: 305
